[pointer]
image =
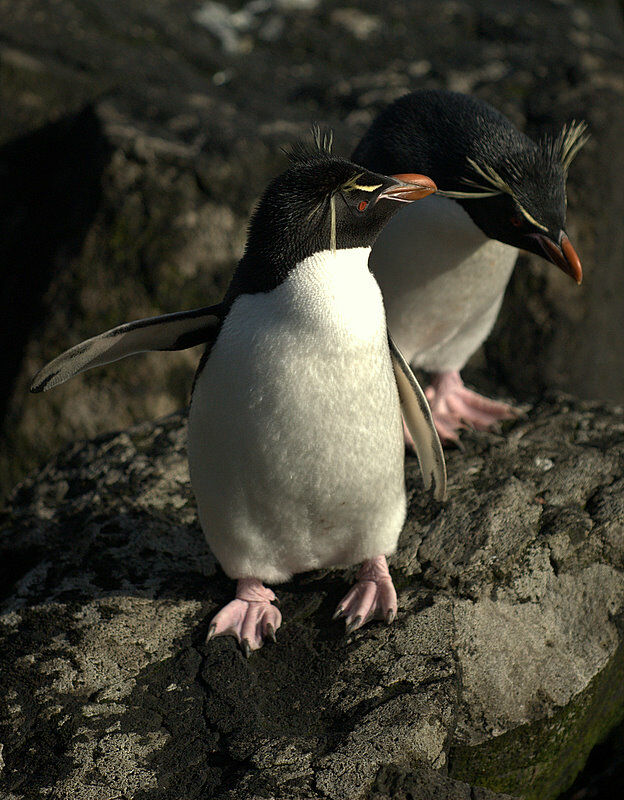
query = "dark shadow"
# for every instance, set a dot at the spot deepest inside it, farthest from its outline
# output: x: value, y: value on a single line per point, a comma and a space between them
x: 208, y: 703
x: 51, y: 185
x: 603, y: 774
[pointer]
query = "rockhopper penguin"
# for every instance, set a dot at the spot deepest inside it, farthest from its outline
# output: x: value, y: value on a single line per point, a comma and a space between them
x: 295, y: 445
x: 443, y: 264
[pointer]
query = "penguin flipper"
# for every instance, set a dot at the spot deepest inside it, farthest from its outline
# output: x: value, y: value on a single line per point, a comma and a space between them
x: 417, y: 416
x: 176, y: 331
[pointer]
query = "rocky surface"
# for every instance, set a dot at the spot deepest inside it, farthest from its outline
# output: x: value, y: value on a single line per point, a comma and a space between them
x: 135, y: 137
x: 502, y: 670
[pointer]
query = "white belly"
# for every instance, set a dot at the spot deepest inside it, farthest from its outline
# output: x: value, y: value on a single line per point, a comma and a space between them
x: 295, y: 442
x: 442, y: 280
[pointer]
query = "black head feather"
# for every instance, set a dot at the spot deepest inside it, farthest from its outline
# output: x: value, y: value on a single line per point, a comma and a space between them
x: 310, y: 207
x: 304, y: 151
x: 478, y: 157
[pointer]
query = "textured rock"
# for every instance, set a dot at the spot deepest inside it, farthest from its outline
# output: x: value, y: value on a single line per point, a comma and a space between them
x: 137, y: 136
x: 502, y: 670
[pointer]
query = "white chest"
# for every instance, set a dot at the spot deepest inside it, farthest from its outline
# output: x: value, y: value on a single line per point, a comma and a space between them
x: 441, y: 278
x: 294, y: 431
x: 333, y: 292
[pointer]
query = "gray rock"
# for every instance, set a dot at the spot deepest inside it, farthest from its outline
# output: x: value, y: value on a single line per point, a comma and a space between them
x: 140, y: 206
x: 500, y: 673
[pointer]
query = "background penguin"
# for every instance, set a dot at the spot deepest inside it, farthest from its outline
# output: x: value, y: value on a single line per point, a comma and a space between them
x: 295, y: 444
x: 443, y: 265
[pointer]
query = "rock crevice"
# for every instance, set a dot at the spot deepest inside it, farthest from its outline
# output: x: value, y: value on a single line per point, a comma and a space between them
x: 499, y: 674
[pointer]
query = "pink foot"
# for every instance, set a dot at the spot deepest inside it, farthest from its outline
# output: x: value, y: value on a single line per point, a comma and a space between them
x: 250, y: 617
x: 372, y: 597
x: 454, y: 407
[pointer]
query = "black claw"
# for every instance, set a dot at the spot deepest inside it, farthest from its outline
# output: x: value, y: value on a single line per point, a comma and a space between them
x: 351, y: 626
x: 276, y: 600
x: 390, y: 616
x: 246, y: 648
x: 270, y: 632
x: 211, y: 631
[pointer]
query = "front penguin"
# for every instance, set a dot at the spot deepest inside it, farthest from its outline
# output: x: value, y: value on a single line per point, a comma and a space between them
x: 295, y: 443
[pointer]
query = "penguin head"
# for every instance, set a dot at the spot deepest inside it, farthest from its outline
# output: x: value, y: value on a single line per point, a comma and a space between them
x: 323, y: 202
x: 520, y: 198
x: 512, y: 187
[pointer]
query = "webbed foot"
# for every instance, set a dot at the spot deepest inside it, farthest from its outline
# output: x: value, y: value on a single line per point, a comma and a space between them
x: 250, y: 617
x: 455, y: 407
x: 372, y: 597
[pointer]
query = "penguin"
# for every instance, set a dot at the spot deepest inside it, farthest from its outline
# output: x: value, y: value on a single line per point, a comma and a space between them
x: 443, y: 265
x: 295, y: 447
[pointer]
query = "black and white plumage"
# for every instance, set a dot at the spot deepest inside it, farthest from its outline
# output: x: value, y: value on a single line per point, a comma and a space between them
x: 176, y: 331
x: 295, y: 444
x: 443, y: 264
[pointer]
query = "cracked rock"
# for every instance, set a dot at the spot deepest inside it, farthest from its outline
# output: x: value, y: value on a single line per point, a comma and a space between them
x: 499, y: 674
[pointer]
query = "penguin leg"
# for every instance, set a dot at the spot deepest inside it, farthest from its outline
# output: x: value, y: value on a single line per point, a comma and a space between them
x: 372, y: 597
x: 454, y: 407
x: 250, y: 617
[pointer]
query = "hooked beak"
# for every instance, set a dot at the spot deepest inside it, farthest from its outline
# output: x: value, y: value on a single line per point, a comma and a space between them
x: 408, y: 188
x: 563, y: 255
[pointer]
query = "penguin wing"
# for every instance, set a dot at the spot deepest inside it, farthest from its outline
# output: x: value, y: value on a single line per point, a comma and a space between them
x: 417, y: 416
x: 168, y: 332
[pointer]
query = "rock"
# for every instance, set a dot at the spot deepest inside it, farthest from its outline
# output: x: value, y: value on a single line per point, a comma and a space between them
x: 137, y: 137
x: 502, y: 670
x: 603, y: 775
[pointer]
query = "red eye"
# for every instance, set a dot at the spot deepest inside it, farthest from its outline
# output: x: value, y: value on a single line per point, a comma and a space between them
x: 362, y: 205
x: 517, y: 222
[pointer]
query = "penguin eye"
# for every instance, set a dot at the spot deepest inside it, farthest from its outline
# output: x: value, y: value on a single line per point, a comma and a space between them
x: 362, y: 205
x: 517, y: 221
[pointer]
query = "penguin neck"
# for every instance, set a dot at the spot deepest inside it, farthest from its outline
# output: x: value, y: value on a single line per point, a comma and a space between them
x: 334, y: 270
x: 435, y: 220
x: 334, y: 291
x: 424, y: 241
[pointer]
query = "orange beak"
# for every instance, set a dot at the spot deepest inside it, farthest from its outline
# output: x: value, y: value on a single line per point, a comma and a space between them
x: 563, y: 256
x: 408, y: 187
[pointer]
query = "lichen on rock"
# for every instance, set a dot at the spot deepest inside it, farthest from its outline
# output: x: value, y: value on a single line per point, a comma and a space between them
x: 499, y: 674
